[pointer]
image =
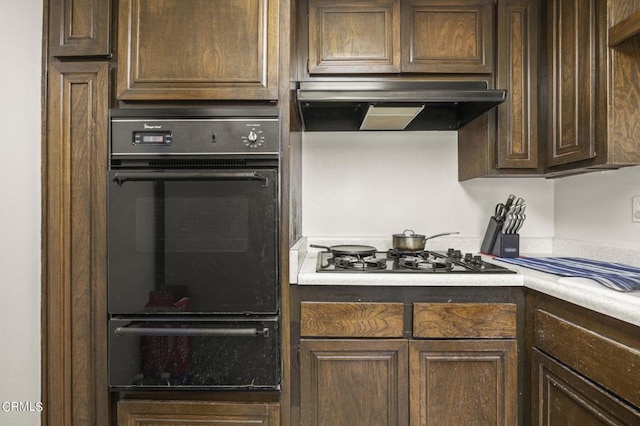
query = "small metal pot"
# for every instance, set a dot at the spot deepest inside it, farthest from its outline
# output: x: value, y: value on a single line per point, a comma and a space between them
x: 410, y: 241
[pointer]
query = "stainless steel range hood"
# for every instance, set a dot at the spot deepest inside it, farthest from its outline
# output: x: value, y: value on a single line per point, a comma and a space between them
x: 393, y: 105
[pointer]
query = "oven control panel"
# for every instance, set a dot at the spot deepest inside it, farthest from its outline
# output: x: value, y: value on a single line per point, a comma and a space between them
x: 235, y: 132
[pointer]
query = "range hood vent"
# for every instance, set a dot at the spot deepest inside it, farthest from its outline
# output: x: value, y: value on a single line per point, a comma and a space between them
x: 393, y: 105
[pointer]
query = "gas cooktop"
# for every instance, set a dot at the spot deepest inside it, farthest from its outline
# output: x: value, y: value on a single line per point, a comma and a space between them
x: 393, y: 261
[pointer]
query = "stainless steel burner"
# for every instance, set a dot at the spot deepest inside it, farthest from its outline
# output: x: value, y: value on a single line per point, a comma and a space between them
x: 359, y: 262
x: 420, y: 262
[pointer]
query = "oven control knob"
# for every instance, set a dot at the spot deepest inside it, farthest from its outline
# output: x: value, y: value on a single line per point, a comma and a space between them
x: 253, y: 139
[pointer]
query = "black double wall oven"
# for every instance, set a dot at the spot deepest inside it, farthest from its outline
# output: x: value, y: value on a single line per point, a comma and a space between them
x: 193, y: 277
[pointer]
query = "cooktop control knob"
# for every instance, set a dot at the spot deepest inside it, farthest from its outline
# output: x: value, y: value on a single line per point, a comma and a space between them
x: 468, y: 257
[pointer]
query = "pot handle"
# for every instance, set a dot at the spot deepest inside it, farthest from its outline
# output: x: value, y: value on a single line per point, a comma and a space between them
x: 440, y: 235
x: 412, y: 234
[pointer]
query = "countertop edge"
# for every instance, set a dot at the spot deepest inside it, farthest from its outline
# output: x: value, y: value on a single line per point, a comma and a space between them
x: 581, y: 292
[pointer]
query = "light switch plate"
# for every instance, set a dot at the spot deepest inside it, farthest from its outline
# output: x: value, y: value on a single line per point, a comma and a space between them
x: 635, y: 210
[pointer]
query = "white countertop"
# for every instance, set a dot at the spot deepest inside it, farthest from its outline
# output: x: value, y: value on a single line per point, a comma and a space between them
x: 589, y: 294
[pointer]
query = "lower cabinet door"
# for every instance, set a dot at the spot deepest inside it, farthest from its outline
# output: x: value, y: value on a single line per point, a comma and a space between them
x: 463, y: 382
x: 353, y: 382
x: 561, y: 396
x: 197, y: 413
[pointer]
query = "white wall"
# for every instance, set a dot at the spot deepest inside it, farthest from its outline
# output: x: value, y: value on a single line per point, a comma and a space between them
x: 596, y: 207
x: 379, y: 183
x: 20, y: 91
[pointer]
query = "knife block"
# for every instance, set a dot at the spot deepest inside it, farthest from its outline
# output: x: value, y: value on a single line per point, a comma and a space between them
x: 493, y: 229
x: 506, y: 245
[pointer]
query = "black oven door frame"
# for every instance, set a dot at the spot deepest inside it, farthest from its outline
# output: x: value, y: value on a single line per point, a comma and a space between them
x: 201, y: 353
x: 209, y: 235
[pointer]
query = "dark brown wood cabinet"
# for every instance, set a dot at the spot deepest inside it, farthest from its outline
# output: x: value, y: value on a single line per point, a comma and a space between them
x: 507, y: 141
x: 582, y: 365
x: 393, y: 36
x: 74, y: 245
x: 349, y: 382
x: 447, y: 36
x: 592, y: 89
x: 198, y: 50
x: 460, y: 366
x: 189, y: 413
x: 566, y: 397
x: 80, y: 28
x: 464, y: 381
x: 575, y: 99
x: 354, y: 36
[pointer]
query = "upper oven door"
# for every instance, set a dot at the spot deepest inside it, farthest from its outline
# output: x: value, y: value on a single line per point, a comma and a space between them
x: 193, y: 241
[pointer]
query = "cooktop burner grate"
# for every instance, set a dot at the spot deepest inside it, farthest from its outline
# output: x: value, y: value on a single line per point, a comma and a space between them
x: 393, y: 261
x: 358, y: 262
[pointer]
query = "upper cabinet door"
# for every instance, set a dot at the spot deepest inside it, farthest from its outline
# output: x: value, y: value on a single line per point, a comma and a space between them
x: 197, y: 49
x: 79, y: 28
x: 572, y: 80
x: 354, y: 36
x: 517, y: 64
x: 447, y: 36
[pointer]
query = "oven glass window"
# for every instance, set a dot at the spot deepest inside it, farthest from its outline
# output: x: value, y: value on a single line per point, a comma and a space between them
x: 193, y: 246
x: 192, y: 224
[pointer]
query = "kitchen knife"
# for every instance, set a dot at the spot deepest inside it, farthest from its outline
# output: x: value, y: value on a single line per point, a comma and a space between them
x: 509, y: 202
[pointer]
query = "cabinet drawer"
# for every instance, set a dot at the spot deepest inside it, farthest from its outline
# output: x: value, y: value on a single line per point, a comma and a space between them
x: 603, y: 359
x: 341, y: 319
x: 464, y: 320
x: 173, y: 412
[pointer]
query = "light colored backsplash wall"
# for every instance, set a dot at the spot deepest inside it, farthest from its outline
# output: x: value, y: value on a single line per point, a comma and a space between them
x: 596, y: 207
x: 379, y: 183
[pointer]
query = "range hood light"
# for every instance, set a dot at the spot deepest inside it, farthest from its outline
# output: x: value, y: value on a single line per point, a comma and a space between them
x: 389, y: 117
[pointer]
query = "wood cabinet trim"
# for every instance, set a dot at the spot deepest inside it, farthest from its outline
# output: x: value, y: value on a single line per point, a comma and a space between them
x: 75, y: 328
x: 625, y: 29
x: 464, y: 320
x: 351, y: 319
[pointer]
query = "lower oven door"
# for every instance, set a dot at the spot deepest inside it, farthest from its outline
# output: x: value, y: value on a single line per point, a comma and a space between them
x: 199, y: 354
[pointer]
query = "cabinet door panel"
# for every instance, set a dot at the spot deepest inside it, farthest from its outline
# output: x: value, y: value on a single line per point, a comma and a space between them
x: 572, y: 80
x: 354, y: 36
x: 198, y: 49
x: 79, y: 28
x: 353, y: 382
x: 455, y: 382
x: 517, y: 131
x: 75, y: 248
x: 447, y: 36
x: 561, y: 396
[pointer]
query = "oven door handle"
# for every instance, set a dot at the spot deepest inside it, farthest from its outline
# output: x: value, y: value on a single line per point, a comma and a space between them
x: 122, y: 177
x: 161, y: 331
